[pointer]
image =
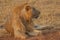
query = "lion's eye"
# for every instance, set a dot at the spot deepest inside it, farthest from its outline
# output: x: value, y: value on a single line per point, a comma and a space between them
x: 28, y: 8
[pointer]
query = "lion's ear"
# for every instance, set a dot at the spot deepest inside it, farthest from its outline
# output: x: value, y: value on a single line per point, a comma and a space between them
x: 27, y: 8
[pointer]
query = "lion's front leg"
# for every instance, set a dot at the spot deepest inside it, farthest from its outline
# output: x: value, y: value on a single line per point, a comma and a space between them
x: 18, y: 34
x: 19, y: 30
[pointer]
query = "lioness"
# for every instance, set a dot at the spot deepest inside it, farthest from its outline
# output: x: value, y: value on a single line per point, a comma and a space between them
x: 21, y: 20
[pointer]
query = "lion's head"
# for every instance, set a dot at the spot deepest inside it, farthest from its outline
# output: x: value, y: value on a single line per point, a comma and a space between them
x: 28, y: 12
x: 23, y: 16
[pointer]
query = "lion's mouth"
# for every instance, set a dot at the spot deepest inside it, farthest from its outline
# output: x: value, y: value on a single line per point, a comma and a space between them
x: 36, y: 16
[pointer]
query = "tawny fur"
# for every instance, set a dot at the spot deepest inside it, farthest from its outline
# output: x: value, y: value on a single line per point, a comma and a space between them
x: 21, y: 21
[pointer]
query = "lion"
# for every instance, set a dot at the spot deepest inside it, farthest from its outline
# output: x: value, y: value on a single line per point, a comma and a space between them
x: 21, y: 20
